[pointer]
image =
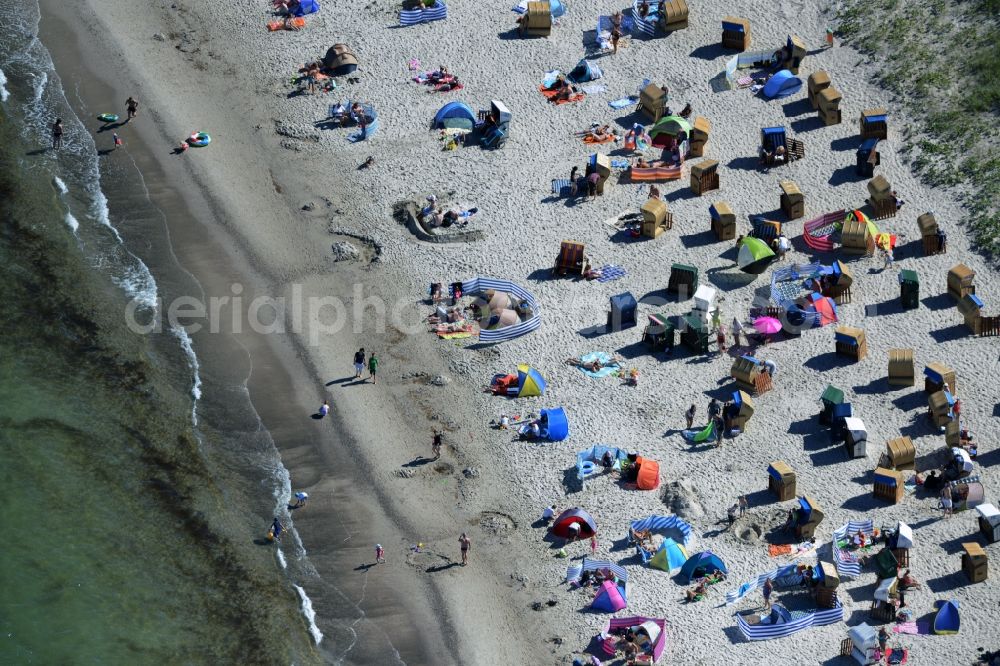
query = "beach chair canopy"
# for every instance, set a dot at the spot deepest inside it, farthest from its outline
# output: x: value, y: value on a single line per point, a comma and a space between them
x: 946, y: 621
x: 886, y: 587
x: 669, y: 557
x: 340, y: 60
x: 903, y: 537
x: 306, y: 7
x: 529, y: 382
x: 588, y: 527
x: 863, y: 636
x: 455, y: 115
x: 772, y: 137
x: 754, y: 256
x: 885, y: 564
x: 610, y: 598
x: 555, y: 425
x: 585, y: 71
x: 782, y: 84
x: 624, y: 306
x: 702, y: 564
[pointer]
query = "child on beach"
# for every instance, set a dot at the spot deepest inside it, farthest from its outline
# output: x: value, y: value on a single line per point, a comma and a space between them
x: 689, y: 416
x: 379, y: 554
x: 373, y: 367
x: 593, y: 545
x: 116, y: 138
x: 324, y: 409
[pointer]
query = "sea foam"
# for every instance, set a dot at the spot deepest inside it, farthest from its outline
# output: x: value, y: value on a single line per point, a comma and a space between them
x: 307, y: 610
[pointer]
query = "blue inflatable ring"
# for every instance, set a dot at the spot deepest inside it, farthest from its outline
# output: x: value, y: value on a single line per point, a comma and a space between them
x: 108, y: 118
x: 587, y: 467
x: 199, y: 139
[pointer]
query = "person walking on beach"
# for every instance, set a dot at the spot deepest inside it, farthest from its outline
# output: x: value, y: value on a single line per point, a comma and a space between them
x: 946, y: 503
x: 464, y: 543
x: 57, y: 134
x: 714, y: 410
x: 719, y: 427
x: 616, y: 35
x: 593, y: 545
x: 379, y: 554
x: 436, y: 444
x: 300, y: 500
x: 737, y: 328
x: 373, y: 367
x: 829, y: 38
x: 274, y: 534
x: 768, y: 589
x: 720, y: 339
x: 359, y: 363
x: 689, y: 416
x: 744, y: 504
x: 324, y: 409
x: 131, y: 108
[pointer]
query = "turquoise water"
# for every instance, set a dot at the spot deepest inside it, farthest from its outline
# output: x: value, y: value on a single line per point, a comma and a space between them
x: 126, y: 534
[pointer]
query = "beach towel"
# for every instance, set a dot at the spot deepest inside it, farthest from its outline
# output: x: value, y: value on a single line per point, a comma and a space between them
x: 550, y: 78
x: 455, y: 336
x: 590, y: 138
x: 293, y: 24
x: 623, y: 102
x: 700, y: 435
x: 414, y: 64
x: 619, y: 163
x: 906, y: 628
x: 562, y: 187
x: 603, y: 358
x: 447, y: 87
x: 594, y: 89
x: 777, y: 550
x: 610, y: 272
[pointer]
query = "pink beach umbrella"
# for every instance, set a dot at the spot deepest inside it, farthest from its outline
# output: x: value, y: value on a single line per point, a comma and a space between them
x: 767, y: 325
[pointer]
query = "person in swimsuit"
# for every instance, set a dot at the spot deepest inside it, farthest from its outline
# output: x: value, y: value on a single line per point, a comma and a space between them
x: 436, y: 444
x: 57, y: 134
x: 131, y: 108
x: 465, y: 544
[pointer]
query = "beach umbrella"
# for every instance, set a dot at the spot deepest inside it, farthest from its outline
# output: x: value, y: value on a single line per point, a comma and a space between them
x: 754, y: 256
x: 767, y: 325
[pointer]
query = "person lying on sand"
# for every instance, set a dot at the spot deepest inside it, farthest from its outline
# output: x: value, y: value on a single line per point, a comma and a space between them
x: 595, y: 365
x: 599, y: 133
x: 697, y: 594
x: 640, y: 536
x: 907, y: 581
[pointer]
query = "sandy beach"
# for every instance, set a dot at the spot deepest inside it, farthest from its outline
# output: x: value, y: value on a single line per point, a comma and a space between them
x: 262, y: 205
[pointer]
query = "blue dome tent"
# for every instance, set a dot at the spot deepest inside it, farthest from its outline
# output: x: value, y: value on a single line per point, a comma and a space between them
x: 702, y: 564
x: 782, y: 84
x: 584, y: 71
x: 455, y: 115
x: 555, y: 426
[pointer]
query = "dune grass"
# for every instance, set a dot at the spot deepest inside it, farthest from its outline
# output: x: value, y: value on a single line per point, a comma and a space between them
x: 941, y: 60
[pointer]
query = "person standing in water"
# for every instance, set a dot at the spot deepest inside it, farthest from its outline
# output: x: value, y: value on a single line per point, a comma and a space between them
x: 274, y: 534
x: 57, y: 134
x: 131, y: 108
x: 464, y: 543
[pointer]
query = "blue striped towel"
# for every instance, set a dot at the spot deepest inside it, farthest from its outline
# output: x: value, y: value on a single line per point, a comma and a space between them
x: 623, y: 102
x: 610, y: 272
x: 409, y: 17
x: 619, y: 163
x: 561, y: 187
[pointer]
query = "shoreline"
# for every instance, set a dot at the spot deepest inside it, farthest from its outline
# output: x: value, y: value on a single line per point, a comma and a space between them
x: 335, y: 496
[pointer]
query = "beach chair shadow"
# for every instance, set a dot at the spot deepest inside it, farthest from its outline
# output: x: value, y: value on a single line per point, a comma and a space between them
x: 947, y: 582
x: 938, y: 302
x: 708, y: 51
x: 744, y: 163
x: 828, y: 456
x: 844, y: 143
x: 699, y: 239
x: 797, y: 108
x: 888, y: 307
x: 634, y: 350
x: 864, y: 502
x: 827, y: 361
x: 875, y: 386
x: 955, y: 332
x: 803, y: 125
x: 845, y: 174
x: 919, y: 425
x: 734, y: 634
x: 682, y: 194
x: 718, y: 83
x: 954, y: 546
x: 910, y: 401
